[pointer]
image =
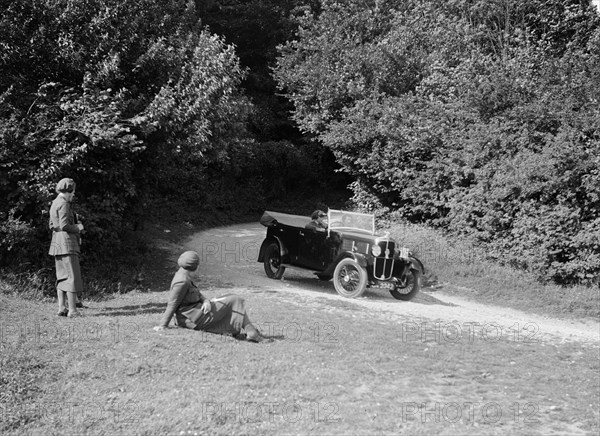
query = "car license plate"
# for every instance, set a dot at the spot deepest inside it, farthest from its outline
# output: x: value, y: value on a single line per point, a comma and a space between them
x: 386, y: 285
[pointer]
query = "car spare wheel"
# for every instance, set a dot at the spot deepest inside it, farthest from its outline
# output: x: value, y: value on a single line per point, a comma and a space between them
x: 272, y: 261
x: 349, y: 278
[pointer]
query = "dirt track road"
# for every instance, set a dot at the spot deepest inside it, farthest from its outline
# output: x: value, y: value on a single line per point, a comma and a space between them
x: 229, y: 261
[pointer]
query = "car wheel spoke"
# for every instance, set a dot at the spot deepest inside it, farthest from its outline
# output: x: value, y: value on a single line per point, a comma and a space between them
x: 348, y: 278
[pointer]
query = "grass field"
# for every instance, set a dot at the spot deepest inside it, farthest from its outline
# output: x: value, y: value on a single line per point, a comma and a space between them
x: 330, y: 368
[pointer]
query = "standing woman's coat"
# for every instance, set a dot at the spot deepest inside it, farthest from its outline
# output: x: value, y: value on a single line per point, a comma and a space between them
x: 65, y: 246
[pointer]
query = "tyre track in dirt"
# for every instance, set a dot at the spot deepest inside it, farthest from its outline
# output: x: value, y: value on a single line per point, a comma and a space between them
x: 229, y: 262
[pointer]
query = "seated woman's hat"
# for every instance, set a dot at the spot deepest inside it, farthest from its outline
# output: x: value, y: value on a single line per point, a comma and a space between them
x: 189, y: 260
x: 65, y: 185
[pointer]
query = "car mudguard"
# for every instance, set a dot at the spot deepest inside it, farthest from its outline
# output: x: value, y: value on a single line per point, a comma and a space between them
x: 358, y: 257
x: 415, y: 263
x: 267, y: 241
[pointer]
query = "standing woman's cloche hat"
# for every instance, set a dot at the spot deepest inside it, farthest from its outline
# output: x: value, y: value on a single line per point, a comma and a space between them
x: 65, y: 185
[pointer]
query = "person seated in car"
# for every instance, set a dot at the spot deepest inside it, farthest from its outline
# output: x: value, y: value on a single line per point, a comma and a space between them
x: 346, y: 220
x: 318, y: 221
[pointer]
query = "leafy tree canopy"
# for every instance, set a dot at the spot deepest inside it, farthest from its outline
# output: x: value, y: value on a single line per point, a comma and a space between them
x: 116, y: 94
x: 479, y: 116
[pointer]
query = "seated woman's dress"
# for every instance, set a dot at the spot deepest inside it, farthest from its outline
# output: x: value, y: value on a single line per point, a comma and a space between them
x: 226, y: 314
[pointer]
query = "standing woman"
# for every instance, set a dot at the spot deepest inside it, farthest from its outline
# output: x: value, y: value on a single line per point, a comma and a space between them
x: 223, y: 315
x: 65, y: 248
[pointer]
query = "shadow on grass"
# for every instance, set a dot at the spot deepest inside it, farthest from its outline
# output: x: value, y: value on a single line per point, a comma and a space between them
x: 326, y: 287
x: 266, y: 338
x: 141, y: 309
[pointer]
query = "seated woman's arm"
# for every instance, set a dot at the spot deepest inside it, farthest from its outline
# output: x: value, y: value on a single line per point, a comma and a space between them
x: 176, y: 296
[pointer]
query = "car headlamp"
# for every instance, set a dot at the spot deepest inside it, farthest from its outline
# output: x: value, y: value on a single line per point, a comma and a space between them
x: 376, y: 250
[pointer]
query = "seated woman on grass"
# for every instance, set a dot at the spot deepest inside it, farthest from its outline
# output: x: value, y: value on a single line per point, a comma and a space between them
x: 223, y: 315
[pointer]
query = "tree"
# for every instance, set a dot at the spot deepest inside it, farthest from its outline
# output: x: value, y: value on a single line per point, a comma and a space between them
x: 467, y: 114
x: 103, y: 91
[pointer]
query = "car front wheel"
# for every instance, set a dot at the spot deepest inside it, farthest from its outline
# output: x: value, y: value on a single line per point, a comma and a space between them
x: 411, y: 285
x: 349, y: 278
x: 272, y: 261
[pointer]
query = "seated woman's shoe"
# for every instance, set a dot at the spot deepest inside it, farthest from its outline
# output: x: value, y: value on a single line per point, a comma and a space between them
x: 63, y: 312
x: 74, y: 314
x: 253, y: 335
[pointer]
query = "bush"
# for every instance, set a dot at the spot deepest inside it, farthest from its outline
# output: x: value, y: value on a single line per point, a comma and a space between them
x: 464, y: 116
x: 125, y: 90
x: 15, y: 239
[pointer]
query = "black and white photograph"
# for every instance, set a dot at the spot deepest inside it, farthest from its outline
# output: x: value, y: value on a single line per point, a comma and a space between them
x: 300, y: 217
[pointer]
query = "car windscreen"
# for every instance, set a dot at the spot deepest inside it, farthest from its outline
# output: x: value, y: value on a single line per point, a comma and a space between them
x: 339, y: 219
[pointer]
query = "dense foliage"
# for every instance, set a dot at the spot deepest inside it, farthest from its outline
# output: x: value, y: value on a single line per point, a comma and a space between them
x: 256, y: 28
x: 482, y: 117
x: 134, y: 99
x: 477, y: 116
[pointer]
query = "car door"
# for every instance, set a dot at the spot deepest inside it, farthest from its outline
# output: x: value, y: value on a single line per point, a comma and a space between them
x: 313, y: 249
x: 292, y: 240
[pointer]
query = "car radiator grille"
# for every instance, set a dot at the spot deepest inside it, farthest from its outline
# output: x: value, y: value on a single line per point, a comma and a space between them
x: 383, y: 265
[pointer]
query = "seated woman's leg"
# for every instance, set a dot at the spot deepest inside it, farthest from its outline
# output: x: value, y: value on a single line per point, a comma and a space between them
x: 227, y: 315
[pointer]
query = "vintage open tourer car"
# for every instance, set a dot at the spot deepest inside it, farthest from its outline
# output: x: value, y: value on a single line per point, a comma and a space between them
x: 349, y: 251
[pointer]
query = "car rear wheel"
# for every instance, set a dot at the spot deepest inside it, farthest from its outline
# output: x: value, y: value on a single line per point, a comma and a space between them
x: 349, y: 278
x: 272, y: 261
x: 411, y: 285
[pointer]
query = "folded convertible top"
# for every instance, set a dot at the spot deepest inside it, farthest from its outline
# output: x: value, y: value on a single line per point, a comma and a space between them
x: 268, y: 218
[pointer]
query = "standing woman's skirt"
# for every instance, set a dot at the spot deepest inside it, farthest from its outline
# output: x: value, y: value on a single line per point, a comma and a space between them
x: 68, y: 274
x: 226, y: 315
